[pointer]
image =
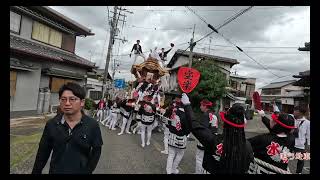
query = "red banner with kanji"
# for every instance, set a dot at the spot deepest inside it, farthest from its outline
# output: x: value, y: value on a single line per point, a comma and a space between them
x: 188, y: 78
x: 257, y: 101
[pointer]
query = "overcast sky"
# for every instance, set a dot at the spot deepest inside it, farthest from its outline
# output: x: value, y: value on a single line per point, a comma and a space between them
x: 284, y: 27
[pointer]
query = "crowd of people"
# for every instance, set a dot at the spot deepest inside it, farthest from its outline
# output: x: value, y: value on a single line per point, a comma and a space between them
x: 227, y: 153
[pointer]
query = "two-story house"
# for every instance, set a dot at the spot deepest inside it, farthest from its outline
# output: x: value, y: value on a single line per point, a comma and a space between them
x: 42, y: 58
x: 283, y: 93
x: 181, y: 58
x: 242, y: 86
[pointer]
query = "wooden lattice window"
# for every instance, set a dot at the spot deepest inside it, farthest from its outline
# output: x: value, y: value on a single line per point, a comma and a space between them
x: 46, y: 34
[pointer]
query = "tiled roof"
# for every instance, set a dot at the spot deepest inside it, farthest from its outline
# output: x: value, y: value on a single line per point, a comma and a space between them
x: 16, y: 63
x: 196, y: 55
x: 35, y: 48
x: 278, y: 84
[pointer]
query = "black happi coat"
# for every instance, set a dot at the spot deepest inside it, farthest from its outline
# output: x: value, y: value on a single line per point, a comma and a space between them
x: 268, y: 147
x: 185, y: 125
x: 213, y: 146
x: 144, y: 113
x: 124, y: 109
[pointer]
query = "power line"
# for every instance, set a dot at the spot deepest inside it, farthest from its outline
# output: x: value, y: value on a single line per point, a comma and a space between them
x: 276, y: 47
x: 266, y: 52
x: 228, y: 21
x: 213, y: 10
x: 248, y: 55
x: 155, y: 28
x: 197, y: 15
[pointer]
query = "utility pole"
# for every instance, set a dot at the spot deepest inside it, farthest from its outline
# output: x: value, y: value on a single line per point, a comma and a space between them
x: 113, y: 34
x: 111, y: 40
x: 192, y: 44
x: 209, y: 43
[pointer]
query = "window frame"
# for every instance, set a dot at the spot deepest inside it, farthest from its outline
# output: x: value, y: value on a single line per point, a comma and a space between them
x: 96, y: 94
x: 19, y: 31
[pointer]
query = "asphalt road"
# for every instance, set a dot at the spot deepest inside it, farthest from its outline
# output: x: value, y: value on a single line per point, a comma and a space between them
x: 124, y: 155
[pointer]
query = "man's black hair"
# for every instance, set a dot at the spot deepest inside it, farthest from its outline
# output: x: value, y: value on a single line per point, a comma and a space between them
x: 75, y: 88
x: 301, y: 109
x: 277, y: 128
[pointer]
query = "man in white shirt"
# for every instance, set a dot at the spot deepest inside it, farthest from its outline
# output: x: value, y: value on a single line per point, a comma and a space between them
x: 302, y: 135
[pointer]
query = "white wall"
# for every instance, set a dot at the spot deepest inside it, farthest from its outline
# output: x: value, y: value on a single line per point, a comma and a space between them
x: 290, y: 87
x: 26, y: 27
x: 289, y: 101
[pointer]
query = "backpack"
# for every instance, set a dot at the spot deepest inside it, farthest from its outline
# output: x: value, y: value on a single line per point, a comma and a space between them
x: 296, y: 130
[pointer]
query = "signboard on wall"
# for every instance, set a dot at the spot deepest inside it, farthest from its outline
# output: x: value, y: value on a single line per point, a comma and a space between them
x: 119, y: 83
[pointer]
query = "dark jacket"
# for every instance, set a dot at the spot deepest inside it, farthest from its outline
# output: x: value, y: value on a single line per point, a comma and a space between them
x: 142, y: 112
x: 137, y: 48
x: 185, y: 125
x: 164, y: 54
x: 211, y: 143
x: 205, y: 121
x: 125, y: 110
x: 75, y: 152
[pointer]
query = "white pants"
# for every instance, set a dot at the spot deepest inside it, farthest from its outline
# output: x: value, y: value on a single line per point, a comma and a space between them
x: 100, y: 115
x: 174, y: 157
x: 136, y: 55
x: 126, y: 124
x: 107, y: 119
x: 199, y: 160
x: 161, y: 63
x: 155, y: 124
x: 114, y: 119
x: 137, y: 127
x: 143, y: 132
x: 165, y: 138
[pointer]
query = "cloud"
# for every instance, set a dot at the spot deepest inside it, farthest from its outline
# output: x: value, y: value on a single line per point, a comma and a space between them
x: 262, y: 26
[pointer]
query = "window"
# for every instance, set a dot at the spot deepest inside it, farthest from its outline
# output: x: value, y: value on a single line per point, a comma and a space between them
x: 56, y: 83
x: 15, y: 20
x: 55, y: 38
x: 46, y: 34
x: 95, y: 95
x: 13, y: 81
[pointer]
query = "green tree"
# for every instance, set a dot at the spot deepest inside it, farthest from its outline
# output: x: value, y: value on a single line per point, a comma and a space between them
x: 211, y: 85
x: 89, y: 104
